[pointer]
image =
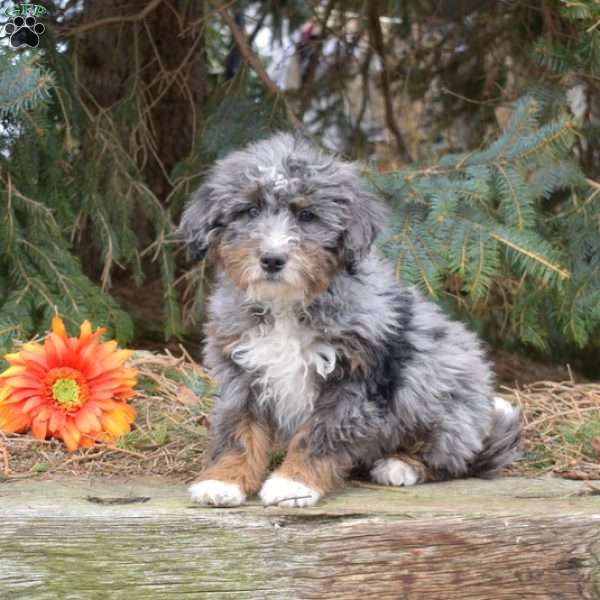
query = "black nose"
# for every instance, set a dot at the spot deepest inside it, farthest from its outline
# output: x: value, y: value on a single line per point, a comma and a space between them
x: 272, y: 263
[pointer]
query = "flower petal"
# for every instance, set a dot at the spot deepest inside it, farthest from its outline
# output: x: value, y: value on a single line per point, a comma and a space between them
x: 60, y: 355
x: 44, y: 414
x: 14, y: 423
x: 32, y: 403
x: 86, y: 442
x: 58, y: 327
x: 57, y: 420
x: 107, y: 375
x: 34, y: 348
x: 54, y: 346
x: 39, y: 428
x: 114, y: 423
x: 70, y: 435
x: 14, y: 358
x: 12, y: 371
x: 85, y: 330
x: 118, y: 359
x: 35, y: 359
x: 95, y: 364
x: 86, y: 421
x: 89, y: 343
x: 19, y: 395
x: 109, y: 387
x: 129, y: 412
x: 27, y: 381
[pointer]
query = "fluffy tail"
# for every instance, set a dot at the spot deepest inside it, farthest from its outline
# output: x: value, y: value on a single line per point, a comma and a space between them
x: 502, y: 445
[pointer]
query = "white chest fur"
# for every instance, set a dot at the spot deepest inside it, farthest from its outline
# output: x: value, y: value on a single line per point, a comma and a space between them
x: 288, y: 358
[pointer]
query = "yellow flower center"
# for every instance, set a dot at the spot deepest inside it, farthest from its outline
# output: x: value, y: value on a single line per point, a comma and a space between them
x: 66, y: 392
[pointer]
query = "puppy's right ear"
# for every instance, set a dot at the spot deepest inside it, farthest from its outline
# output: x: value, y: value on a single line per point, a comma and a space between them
x: 200, y: 223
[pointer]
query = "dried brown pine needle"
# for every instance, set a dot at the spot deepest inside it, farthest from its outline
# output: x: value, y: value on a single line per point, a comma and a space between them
x: 174, y: 399
x: 561, y: 424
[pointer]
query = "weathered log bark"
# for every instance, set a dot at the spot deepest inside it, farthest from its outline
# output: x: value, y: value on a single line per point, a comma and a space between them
x: 504, y: 539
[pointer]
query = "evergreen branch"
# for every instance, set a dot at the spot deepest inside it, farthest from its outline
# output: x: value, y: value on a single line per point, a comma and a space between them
x: 567, y: 128
x: 59, y: 274
x: 520, y: 123
x: 517, y: 199
x: 418, y: 262
x: 563, y: 273
x: 22, y: 85
x: 556, y: 175
x: 480, y: 267
x: 31, y: 282
x: 513, y: 196
x: 8, y: 329
x: 33, y: 205
x: 462, y: 269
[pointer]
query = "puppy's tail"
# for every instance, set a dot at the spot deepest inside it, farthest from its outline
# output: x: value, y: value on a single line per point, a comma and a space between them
x: 502, y: 445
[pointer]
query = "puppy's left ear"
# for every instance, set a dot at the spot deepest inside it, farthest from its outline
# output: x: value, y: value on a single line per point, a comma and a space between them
x: 200, y: 223
x: 368, y: 217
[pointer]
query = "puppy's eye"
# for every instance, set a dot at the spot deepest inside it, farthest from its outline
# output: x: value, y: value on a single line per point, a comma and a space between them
x: 306, y: 215
x: 253, y: 212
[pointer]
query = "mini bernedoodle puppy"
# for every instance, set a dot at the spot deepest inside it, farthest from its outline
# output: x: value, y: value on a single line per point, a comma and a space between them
x: 315, y: 345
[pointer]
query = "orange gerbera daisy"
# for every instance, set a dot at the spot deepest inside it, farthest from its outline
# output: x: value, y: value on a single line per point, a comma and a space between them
x: 74, y: 389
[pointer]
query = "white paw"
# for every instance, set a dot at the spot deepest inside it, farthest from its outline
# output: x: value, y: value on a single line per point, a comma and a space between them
x: 280, y: 491
x: 393, y: 471
x: 217, y: 493
x: 504, y: 406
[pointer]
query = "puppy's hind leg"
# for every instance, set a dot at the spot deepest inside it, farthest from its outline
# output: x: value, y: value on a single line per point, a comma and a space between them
x: 400, y: 469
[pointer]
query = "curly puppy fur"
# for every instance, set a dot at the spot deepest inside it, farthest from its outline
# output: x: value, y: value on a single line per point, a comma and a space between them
x: 314, y: 344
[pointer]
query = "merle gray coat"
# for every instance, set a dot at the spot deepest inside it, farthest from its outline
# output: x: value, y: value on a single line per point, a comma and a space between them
x: 314, y: 344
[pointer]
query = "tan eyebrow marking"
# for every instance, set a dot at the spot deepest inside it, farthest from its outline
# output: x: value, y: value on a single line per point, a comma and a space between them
x: 302, y: 202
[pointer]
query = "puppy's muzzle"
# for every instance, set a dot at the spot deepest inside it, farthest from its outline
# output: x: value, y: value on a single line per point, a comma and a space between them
x: 272, y: 263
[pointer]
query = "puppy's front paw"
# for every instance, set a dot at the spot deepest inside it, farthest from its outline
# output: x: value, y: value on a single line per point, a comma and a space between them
x: 393, y: 471
x: 280, y: 491
x: 217, y: 493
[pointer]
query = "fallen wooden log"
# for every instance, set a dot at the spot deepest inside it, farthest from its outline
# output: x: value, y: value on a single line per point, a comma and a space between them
x: 472, y: 539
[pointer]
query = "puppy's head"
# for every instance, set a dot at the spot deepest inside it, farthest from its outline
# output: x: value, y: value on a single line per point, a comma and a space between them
x: 282, y: 218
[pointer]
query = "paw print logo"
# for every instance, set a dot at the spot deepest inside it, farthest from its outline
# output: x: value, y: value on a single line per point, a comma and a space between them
x: 24, y: 31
